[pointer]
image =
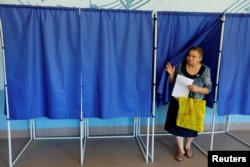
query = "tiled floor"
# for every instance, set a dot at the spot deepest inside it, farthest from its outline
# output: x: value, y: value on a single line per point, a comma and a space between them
x: 117, y: 152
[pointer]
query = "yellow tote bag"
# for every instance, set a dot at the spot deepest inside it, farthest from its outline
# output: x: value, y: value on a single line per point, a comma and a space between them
x: 191, y: 113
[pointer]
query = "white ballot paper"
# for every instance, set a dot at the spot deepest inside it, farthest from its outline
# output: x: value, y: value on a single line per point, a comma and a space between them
x: 180, y: 87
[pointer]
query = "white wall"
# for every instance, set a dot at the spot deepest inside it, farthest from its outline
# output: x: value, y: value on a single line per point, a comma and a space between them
x: 158, y: 5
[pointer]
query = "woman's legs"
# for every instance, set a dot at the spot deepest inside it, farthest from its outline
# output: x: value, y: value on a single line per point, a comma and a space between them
x: 180, y: 144
x: 189, y: 141
x: 184, y: 149
x: 180, y: 152
x: 188, y: 151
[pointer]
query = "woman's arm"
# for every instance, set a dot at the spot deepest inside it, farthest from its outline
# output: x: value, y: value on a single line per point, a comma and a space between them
x: 197, y: 89
x: 171, y: 70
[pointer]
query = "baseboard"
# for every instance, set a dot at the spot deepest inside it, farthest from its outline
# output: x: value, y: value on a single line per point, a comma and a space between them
x: 108, y: 130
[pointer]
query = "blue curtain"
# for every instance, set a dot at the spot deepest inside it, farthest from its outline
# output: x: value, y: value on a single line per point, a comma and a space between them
x: 116, y: 63
x: 111, y: 51
x: 42, y: 61
x: 177, y: 32
x: 234, y: 89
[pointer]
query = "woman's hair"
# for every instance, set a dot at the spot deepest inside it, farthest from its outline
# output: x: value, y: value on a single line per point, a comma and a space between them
x: 198, y: 49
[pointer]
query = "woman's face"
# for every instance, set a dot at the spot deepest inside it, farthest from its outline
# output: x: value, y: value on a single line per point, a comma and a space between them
x: 193, y: 57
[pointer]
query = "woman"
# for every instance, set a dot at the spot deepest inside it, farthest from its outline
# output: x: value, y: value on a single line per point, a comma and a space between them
x: 194, y: 69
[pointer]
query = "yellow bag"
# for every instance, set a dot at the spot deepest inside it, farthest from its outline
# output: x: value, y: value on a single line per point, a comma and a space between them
x: 191, y: 113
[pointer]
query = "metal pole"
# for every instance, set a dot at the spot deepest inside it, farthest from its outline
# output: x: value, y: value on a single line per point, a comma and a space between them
x: 154, y: 83
x: 81, y: 120
x: 6, y: 96
x: 147, y: 149
x: 223, y: 18
x: 227, y: 130
x: 9, y: 143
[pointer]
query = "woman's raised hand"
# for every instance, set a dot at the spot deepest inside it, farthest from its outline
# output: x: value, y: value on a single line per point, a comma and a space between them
x: 170, y: 69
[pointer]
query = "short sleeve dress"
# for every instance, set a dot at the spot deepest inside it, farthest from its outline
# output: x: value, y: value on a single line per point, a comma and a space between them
x: 201, y: 79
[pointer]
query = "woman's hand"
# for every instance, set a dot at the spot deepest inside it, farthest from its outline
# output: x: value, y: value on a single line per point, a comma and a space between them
x: 170, y: 69
x: 193, y: 88
x: 201, y: 90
